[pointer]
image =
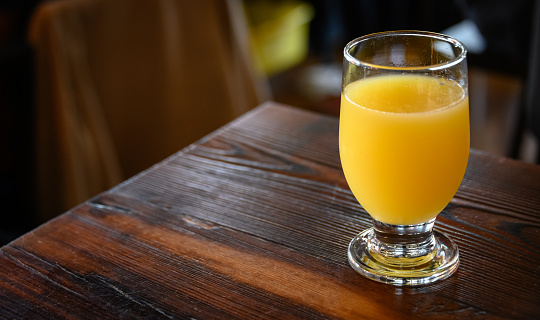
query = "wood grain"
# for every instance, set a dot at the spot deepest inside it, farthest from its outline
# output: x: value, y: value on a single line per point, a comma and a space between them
x: 253, y: 221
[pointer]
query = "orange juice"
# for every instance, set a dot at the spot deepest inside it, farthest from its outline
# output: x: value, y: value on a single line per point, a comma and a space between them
x: 404, y: 145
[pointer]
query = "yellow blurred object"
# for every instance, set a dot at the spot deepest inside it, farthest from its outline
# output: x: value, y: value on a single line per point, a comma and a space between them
x: 279, y: 33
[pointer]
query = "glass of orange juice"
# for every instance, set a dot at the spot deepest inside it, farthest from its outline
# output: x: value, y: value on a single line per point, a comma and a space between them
x: 404, y: 147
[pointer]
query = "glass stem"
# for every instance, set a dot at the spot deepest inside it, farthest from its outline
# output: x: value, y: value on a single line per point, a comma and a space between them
x: 407, y: 245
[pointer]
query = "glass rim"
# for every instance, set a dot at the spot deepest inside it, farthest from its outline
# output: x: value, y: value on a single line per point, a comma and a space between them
x: 448, y: 39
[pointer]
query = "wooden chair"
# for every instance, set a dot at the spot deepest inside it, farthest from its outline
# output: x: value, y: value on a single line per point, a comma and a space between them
x: 532, y: 86
x: 123, y: 84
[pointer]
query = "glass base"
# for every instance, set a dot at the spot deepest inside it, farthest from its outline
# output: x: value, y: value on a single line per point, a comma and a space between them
x: 403, y: 255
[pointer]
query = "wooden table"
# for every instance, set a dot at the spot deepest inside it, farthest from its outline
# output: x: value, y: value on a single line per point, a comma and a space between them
x: 253, y: 221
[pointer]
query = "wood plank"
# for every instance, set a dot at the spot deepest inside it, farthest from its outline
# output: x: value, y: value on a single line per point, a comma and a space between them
x: 254, y: 222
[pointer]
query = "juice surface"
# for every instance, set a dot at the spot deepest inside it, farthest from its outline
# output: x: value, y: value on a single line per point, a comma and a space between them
x: 404, y: 145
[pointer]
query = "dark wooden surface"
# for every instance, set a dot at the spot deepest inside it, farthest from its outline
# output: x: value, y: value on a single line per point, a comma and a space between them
x: 254, y: 222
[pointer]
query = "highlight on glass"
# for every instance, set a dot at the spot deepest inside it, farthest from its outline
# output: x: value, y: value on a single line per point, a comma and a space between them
x: 404, y: 146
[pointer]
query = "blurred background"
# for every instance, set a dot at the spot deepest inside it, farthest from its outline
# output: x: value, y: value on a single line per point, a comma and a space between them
x: 284, y: 50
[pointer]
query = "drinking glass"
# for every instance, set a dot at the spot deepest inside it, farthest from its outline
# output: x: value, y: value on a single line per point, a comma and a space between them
x: 404, y: 147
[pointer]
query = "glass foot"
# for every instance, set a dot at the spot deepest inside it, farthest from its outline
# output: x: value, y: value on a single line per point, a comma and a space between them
x: 403, y: 255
